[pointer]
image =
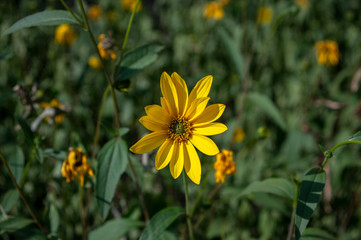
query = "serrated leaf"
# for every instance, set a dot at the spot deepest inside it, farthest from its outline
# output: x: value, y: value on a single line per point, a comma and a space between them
x: 114, y: 229
x: 268, y: 107
x: 45, y: 18
x: 16, y: 163
x: 311, y: 189
x: 278, y: 186
x: 9, y: 200
x: 316, y: 234
x: 54, y: 219
x: 159, y: 222
x: 14, y: 224
x: 136, y: 60
x: 112, y: 162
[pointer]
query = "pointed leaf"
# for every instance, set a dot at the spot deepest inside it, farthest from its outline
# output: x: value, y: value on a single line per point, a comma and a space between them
x: 316, y: 234
x: 311, y: 189
x: 16, y: 163
x: 14, y: 224
x: 355, y: 137
x: 114, y: 229
x: 54, y: 219
x: 9, y: 200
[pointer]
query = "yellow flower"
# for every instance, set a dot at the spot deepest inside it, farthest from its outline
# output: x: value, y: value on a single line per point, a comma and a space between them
x: 181, y: 123
x: 95, y: 62
x: 95, y: 12
x: 105, y: 47
x: 59, y: 111
x: 327, y: 52
x: 213, y: 10
x: 65, y: 34
x: 302, y: 3
x: 264, y: 15
x: 264, y: 132
x: 224, y: 165
x: 239, y: 135
x: 129, y: 5
x: 76, y: 166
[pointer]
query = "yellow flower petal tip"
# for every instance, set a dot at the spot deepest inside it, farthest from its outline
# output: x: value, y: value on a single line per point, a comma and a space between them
x: 181, y: 124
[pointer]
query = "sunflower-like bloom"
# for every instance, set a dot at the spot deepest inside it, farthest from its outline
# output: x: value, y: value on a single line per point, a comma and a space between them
x: 214, y: 10
x: 76, y: 166
x: 65, y: 34
x: 224, y: 165
x: 239, y: 135
x: 264, y: 15
x: 95, y: 12
x: 327, y: 52
x: 95, y: 62
x: 129, y: 5
x: 105, y: 47
x: 181, y: 123
x: 59, y: 114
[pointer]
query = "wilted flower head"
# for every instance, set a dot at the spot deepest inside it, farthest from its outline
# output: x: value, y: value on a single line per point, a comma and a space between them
x: 214, y: 10
x: 105, y: 47
x: 59, y: 113
x: 264, y: 15
x: 238, y: 135
x: 95, y: 62
x: 129, y: 5
x: 95, y: 12
x: 65, y: 34
x: 327, y: 52
x: 76, y: 166
x: 224, y: 165
x: 181, y: 123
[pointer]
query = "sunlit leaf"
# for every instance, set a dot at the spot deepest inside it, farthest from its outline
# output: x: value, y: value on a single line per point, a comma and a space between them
x: 114, y: 229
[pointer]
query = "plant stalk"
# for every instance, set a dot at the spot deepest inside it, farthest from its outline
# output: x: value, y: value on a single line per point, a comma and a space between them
x: 190, y: 230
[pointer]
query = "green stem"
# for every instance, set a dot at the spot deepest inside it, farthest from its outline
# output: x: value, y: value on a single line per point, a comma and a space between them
x: 72, y: 13
x: 294, y: 207
x: 328, y: 154
x: 190, y: 230
x: 81, y: 200
x: 22, y: 195
x: 200, y: 192
x: 26, y: 170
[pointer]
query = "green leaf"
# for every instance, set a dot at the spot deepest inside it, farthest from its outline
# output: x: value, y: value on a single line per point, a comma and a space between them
x: 268, y: 107
x: 112, y: 162
x: 278, y: 186
x: 16, y: 163
x: 136, y: 60
x: 293, y: 10
x: 14, y: 224
x: 9, y: 200
x: 45, y: 18
x: 159, y: 222
x: 311, y: 189
x: 316, y: 234
x: 57, y: 154
x: 355, y: 137
x: 233, y: 52
x: 54, y: 219
x: 29, y: 136
x: 114, y: 229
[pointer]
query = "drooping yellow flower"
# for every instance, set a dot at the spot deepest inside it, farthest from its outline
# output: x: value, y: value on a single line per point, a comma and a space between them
x: 213, y: 10
x: 224, y: 165
x: 59, y: 114
x: 302, y: 3
x: 129, y: 5
x: 76, y: 166
x: 95, y: 12
x: 95, y: 62
x: 238, y: 135
x: 65, y: 34
x: 105, y: 47
x: 327, y: 52
x: 181, y: 123
x: 264, y: 15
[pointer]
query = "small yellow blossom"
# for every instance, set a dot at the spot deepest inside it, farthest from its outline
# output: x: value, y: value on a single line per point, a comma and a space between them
x: 95, y: 12
x: 264, y: 15
x: 129, y: 5
x: 105, y: 47
x: 302, y: 3
x: 65, y: 34
x: 327, y: 52
x: 239, y: 135
x: 213, y: 10
x: 224, y: 165
x: 264, y: 132
x: 76, y: 166
x: 59, y: 111
x: 95, y: 62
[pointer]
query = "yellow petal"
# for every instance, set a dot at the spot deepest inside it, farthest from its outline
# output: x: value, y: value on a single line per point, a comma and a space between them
x: 204, y: 144
x: 164, y: 154
x: 158, y: 114
x: 152, y: 125
x: 210, y: 114
x: 201, y: 89
x: 192, y: 164
x: 165, y: 105
x: 210, y: 129
x: 169, y: 91
x: 149, y: 142
x: 177, y: 161
x: 196, y: 108
x: 182, y: 92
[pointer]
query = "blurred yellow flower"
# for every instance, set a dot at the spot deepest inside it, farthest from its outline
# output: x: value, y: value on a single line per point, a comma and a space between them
x: 129, y: 5
x: 95, y: 62
x: 238, y: 135
x: 264, y: 15
x: 181, y: 123
x: 59, y: 111
x: 105, y: 47
x: 224, y: 165
x: 95, y: 12
x: 302, y: 3
x: 213, y: 10
x: 65, y: 34
x: 327, y: 52
x: 76, y: 166
x: 112, y: 15
x: 264, y: 132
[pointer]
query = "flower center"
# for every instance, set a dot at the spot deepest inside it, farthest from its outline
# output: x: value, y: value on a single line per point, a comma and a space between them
x: 180, y: 130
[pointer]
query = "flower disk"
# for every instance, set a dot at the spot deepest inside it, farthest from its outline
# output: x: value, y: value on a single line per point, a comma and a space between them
x: 180, y: 124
